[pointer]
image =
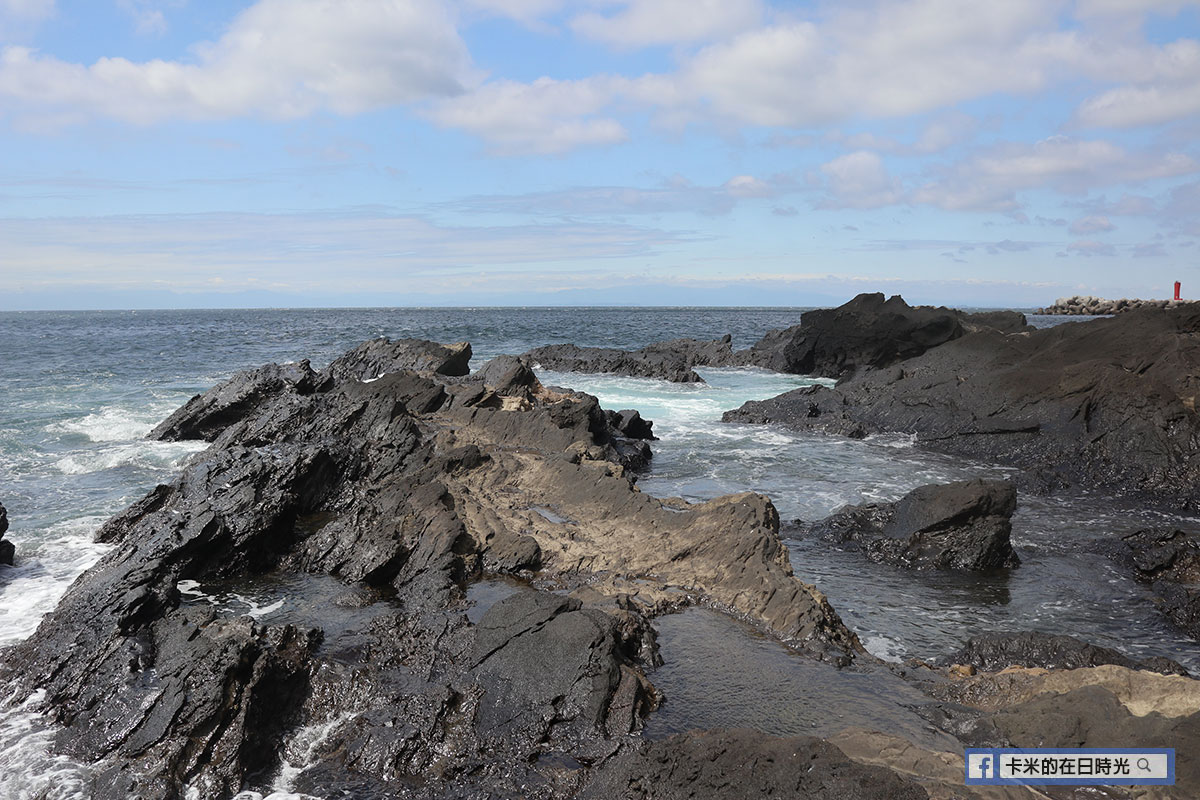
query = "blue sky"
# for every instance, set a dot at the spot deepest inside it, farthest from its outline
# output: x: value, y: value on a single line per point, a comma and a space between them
x: 178, y: 153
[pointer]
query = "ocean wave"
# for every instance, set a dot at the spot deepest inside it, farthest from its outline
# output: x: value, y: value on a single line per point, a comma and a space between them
x: 28, y: 768
x: 148, y: 455
x: 884, y: 648
x: 34, y: 586
x: 110, y: 424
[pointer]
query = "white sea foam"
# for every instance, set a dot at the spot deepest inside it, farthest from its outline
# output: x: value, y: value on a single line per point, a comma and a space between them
x: 27, y: 767
x: 110, y: 424
x: 885, y: 648
x: 34, y: 586
x: 148, y: 455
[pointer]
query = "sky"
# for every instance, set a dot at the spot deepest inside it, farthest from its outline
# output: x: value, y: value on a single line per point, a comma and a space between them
x: 212, y: 153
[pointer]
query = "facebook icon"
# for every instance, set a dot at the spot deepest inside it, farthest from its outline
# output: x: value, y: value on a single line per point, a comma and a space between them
x: 981, y: 765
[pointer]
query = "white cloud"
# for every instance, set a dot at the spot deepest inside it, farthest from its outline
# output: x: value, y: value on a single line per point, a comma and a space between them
x: 1094, y: 224
x: 1092, y: 248
x: 991, y: 179
x: 279, y: 58
x: 546, y: 116
x: 860, y: 180
x: 27, y: 9
x: 1096, y: 8
x: 654, y: 22
x: 748, y: 186
x: 884, y: 60
x: 147, y: 15
x: 316, y: 251
x: 1129, y: 106
x: 522, y: 10
x: 675, y: 195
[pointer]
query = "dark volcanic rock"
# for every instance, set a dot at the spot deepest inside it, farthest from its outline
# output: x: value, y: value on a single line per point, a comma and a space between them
x: 665, y: 364
x: 868, y: 331
x: 671, y: 361
x: 1109, y: 403
x: 1169, y: 560
x: 1093, y: 717
x: 964, y: 525
x: 997, y: 651
x: 381, y: 356
x: 744, y: 765
x: 6, y: 548
x: 410, y: 485
x: 536, y: 651
x: 630, y: 424
x: 1003, y: 321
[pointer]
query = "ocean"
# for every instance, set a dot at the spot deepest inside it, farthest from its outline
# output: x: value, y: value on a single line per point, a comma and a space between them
x: 79, y: 391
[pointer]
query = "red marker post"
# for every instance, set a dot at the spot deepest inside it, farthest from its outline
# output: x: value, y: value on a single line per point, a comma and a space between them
x: 1176, y: 290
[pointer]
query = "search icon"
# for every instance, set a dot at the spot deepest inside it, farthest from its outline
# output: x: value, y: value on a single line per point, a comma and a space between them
x: 1143, y: 764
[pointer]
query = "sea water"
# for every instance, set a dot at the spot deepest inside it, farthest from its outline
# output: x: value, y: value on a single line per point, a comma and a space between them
x: 80, y: 390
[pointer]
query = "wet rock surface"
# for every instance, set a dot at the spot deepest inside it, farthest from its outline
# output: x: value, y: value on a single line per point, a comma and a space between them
x: 997, y: 651
x: 1109, y: 403
x: 407, y: 484
x: 867, y: 332
x: 7, y: 550
x: 744, y: 764
x: 669, y: 361
x: 1169, y: 560
x: 964, y: 525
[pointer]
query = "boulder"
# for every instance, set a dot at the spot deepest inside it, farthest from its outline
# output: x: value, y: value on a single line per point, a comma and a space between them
x: 867, y: 332
x: 1109, y: 403
x: 964, y: 525
x: 996, y: 651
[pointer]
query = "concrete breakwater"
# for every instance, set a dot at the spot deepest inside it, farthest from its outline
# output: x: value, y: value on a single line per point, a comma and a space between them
x: 1087, y: 305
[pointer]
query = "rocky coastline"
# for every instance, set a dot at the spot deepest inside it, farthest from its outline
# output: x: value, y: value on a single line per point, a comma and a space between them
x: 385, y: 489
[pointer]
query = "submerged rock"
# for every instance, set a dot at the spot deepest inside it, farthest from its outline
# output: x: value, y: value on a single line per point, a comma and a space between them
x: 410, y: 484
x: 1169, y: 560
x: 1109, y: 403
x: 7, y: 550
x: 964, y: 525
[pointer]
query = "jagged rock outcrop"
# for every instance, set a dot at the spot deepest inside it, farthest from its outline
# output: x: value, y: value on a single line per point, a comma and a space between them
x: 868, y: 332
x: 365, y: 508
x: 1087, y: 305
x: 964, y: 525
x: 1169, y: 560
x: 996, y: 651
x: 7, y: 550
x: 1109, y: 403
